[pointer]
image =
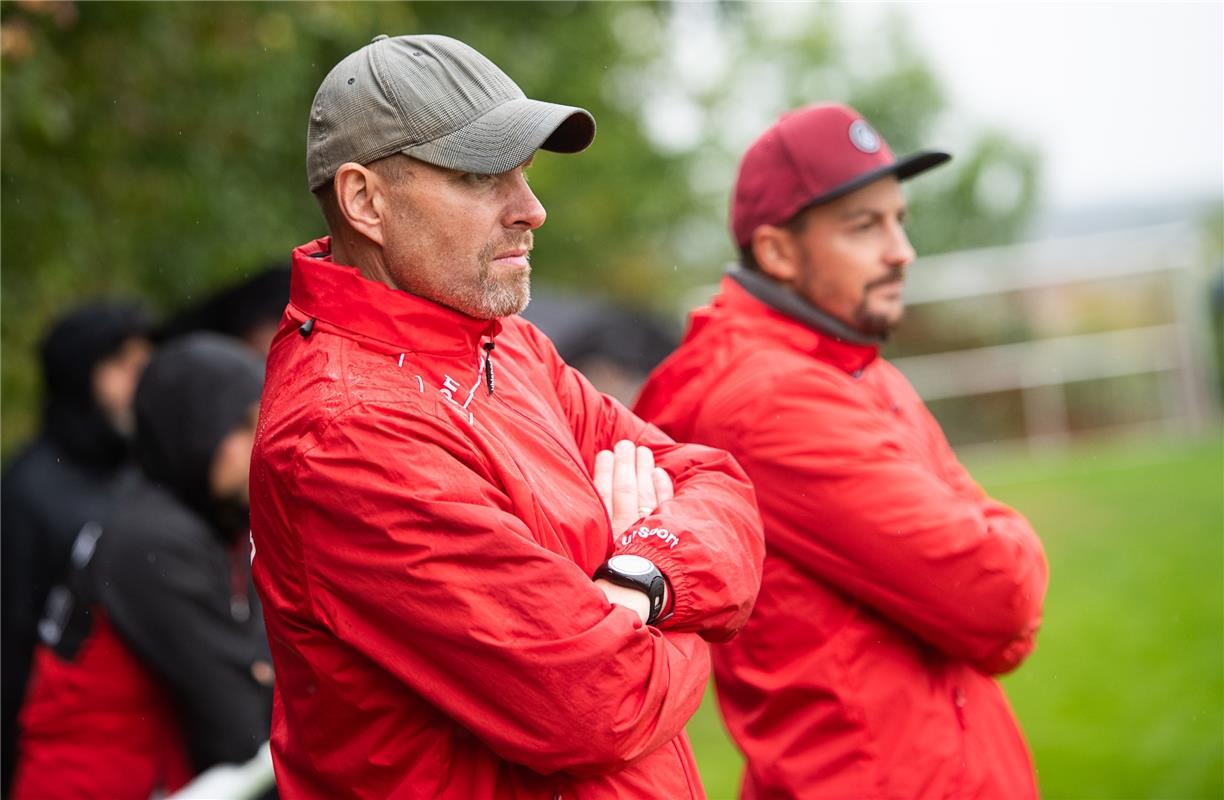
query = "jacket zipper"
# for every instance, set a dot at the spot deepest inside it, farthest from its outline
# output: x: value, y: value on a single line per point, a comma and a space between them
x: 488, y: 348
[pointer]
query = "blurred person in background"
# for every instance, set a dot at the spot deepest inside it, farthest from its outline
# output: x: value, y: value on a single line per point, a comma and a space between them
x: 894, y: 588
x: 154, y: 665
x: 248, y: 310
x: 614, y: 347
x: 91, y: 360
x: 468, y: 593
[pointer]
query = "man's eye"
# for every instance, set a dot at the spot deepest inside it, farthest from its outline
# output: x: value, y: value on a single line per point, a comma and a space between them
x: 478, y: 179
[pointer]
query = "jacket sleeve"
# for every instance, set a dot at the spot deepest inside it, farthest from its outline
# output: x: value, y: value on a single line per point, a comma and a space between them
x: 929, y: 551
x: 707, y: 540
x: 415, y: 560
x: 169, y: 598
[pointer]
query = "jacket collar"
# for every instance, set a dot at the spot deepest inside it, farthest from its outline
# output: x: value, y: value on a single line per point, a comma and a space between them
x: 341, y: 297
x: 789, y: 318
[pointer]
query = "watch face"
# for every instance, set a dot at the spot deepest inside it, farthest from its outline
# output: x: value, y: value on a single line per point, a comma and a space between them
x: 631, y: 565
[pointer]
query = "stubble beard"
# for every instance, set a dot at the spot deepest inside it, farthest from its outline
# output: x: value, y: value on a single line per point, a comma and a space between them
x: 487, y: 295
x: 874, y: 323
x: 863, y: 319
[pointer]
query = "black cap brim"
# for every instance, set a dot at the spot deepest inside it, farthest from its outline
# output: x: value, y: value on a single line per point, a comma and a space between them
x: 573, y: 135
x: 902, y: 169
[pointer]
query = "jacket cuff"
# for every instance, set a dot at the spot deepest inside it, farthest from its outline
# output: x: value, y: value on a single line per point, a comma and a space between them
x: 656, y: 545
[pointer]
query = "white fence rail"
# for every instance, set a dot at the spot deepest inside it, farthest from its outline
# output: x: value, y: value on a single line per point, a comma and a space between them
x: 1176, y: 351
x: 1043, y: 362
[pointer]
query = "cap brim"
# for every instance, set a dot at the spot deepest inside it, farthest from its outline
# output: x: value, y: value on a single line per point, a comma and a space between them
x: 902, y: 168
x: 509, y: 134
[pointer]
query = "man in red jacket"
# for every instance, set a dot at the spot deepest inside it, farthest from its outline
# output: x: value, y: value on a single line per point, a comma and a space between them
x: 894, y: 588
x: 481, y: 578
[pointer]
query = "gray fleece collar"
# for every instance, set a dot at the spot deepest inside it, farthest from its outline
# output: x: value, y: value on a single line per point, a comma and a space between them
x: 782, y: 299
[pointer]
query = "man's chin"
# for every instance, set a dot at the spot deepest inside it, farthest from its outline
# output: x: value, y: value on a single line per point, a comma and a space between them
x: 504, y: 301
x: 879, y: 323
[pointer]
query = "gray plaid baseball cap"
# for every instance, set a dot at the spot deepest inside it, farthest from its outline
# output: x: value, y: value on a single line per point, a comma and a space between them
x: 436, y: 99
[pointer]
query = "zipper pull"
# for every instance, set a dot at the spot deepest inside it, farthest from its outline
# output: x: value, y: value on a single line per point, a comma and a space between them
x: 488, y: 347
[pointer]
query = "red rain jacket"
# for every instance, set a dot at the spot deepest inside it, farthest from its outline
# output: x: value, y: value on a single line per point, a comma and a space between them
x: 102, y: 725
x: 894, y: 588
x: 424, y: 549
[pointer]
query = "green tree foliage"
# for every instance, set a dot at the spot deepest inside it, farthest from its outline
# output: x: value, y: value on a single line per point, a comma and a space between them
x: 156, y: 150
x: 986, y: 196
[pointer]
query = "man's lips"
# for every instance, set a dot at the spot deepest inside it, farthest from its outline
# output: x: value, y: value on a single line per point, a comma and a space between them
x: 513, y: 258
x: 893, y: 280
x: 889, y: 289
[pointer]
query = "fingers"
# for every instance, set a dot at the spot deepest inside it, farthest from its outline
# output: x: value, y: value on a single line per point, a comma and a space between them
x: 629, y: 484
x: 603, y: 478
x: 664, y: 490
x: 624, y: 484
x: 646, y: 500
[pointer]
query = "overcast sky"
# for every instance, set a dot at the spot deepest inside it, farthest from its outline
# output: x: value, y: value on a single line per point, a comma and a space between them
x: 1125, y: 100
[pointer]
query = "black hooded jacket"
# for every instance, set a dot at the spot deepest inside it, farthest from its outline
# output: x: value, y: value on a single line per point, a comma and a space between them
x: 64, y: 479
x: 170, y: 577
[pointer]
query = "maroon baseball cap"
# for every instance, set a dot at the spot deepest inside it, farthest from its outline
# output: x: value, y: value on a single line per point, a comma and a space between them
x: 813, y: 155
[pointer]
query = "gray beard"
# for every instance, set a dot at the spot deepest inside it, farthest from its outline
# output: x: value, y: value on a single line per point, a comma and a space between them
x: 489, y: 298
x: 483, y: 296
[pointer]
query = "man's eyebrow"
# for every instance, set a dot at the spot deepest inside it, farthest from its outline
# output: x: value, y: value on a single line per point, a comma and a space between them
x: 859, y: 211
x: 874, y: 213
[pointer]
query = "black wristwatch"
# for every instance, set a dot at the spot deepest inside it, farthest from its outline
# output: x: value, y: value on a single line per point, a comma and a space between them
x: 635, y: 572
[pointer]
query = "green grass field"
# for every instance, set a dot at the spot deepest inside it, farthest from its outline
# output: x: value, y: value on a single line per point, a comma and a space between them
x: 1124, y: 696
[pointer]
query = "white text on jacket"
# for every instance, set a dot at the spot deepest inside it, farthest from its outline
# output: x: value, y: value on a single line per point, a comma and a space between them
x: 643, y: 532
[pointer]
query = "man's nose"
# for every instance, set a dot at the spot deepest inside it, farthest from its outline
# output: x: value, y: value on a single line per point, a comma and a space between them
x: 524, y: 211
x: 900, y: 252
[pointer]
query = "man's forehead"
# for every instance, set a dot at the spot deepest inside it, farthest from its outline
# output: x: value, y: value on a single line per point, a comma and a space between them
x: 876, y: 197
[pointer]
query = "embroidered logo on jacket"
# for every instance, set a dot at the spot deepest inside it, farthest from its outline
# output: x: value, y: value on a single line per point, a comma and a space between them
x: 450, y: 386
x: 670, y: 539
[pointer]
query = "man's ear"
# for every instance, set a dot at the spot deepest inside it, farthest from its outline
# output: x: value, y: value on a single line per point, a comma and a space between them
x: 359, y: 200
x: 776, y: 252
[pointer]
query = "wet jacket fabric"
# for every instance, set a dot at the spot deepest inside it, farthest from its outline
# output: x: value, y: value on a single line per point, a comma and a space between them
x: 894, y: 588
x: 425, y: 532
x: 64, y: 479
x: 153, y: 636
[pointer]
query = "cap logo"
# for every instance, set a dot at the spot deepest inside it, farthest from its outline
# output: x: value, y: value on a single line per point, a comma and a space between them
x: 863, y: 137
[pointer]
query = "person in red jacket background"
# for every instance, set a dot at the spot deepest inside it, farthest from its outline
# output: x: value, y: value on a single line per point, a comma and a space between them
x: 480, y: 577
x: 152, y: 665
x: 894, y: 588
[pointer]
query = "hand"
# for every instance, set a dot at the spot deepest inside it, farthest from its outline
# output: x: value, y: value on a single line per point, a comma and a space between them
x: 629, y: 484
x: 631, y: 599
